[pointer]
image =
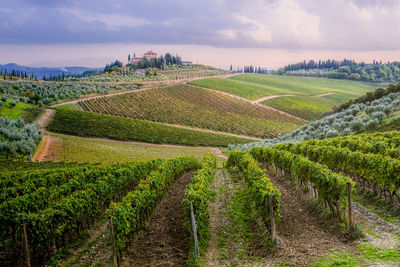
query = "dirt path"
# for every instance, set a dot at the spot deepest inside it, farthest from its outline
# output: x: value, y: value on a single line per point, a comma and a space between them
x: 378, y: 231
x: 216, y: 210
x: 45, y: 118
x: 304, y: 236
x: 324, y: 94
x: 166, y: 241
x: 43, y: 149
x: 252, y: 101
x: 237, y: 234
x: 218, y: 153
x: 259, y: 100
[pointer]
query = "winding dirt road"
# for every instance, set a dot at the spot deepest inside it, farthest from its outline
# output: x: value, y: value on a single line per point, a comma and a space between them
x: 43, y: 149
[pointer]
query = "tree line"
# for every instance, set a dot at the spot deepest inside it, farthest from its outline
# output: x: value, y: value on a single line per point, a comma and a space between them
x: 17, y: 74
x: 377, y: 71
x: 250, y: 69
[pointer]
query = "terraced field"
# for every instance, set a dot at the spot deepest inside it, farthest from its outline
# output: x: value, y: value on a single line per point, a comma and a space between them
x: 193, y: 106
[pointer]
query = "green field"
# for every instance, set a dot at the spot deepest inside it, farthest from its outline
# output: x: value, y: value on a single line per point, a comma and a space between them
x: 28, y: 112
x: 87, y: 124
x: 306, y: 107
x: 79, y: 149
x: 196, y: 107
x: 253, y: 86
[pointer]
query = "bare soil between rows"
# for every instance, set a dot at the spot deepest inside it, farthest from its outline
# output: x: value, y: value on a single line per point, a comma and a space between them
x: 303, y: 234
x: 166, y: 242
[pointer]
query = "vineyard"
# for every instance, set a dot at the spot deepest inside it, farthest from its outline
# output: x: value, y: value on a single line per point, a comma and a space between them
x: 373, y: 171
x: 53, y: 205
x: 197, y: 107
x: 295, y: 200
x: 88, y: 124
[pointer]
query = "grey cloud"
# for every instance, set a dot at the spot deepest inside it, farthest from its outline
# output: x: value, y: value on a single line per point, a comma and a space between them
x: 287, y: 24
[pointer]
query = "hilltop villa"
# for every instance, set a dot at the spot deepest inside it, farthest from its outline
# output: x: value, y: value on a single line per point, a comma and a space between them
x: 148, y: 55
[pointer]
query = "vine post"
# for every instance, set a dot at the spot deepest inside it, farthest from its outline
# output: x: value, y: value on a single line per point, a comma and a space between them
x: 114, y: 250
x: 351, y: 228
x: 196, y: 243
x: 26, y: 247
x: 271, y: 215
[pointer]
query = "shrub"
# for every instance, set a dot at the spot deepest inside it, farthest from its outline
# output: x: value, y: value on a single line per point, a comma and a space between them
x: 372, y: 124
x: 332, y: 133
x: 356, y: 126
x: 379, y: 115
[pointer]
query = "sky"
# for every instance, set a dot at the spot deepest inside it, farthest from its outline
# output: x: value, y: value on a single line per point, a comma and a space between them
x: 268, y: 33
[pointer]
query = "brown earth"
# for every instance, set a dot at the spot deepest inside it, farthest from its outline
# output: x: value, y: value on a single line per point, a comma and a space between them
x: 166, y: 242
x: 303, y: 234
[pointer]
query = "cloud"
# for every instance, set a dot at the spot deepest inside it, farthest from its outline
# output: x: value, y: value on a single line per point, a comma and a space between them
x: 274, y: 24
x: 227, y: 34
x: 112, y: 21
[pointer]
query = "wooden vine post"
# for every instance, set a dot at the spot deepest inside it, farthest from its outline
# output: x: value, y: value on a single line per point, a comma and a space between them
x: 351, y: 227
x: 114, y: 249
x: 272, y: 217
x: 26, y: 247
x: 195, y: 240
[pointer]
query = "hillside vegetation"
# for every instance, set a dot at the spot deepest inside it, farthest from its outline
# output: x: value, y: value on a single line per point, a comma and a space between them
x: 88, y: 124
x: 355, y: 119
x: 197, y: 107
x: 370, y: 96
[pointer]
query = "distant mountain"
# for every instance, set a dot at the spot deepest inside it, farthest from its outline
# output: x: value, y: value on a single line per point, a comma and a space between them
x: 43, y: 71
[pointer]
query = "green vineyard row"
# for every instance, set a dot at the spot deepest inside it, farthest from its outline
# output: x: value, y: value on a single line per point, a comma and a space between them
x: 199, y: 192
x: 130, y: 214
x: 260, y: 186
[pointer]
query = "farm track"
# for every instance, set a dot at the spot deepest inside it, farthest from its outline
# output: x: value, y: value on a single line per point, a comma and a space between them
x: 216, y: 211
x: 43, y: 149
x: 165, y: 242
x: 324, y: 94
x: 259, y: 100
x: 251, y: 101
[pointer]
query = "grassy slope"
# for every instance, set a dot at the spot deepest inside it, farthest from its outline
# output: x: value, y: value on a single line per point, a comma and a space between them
x: 254, y: 86
x: 21, y: 109
x: 306, y: 107
x: 78, y: 149
x: 89, y: 124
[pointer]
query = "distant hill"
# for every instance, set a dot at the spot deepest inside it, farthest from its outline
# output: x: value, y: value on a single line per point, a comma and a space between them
x: 44, y: 71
